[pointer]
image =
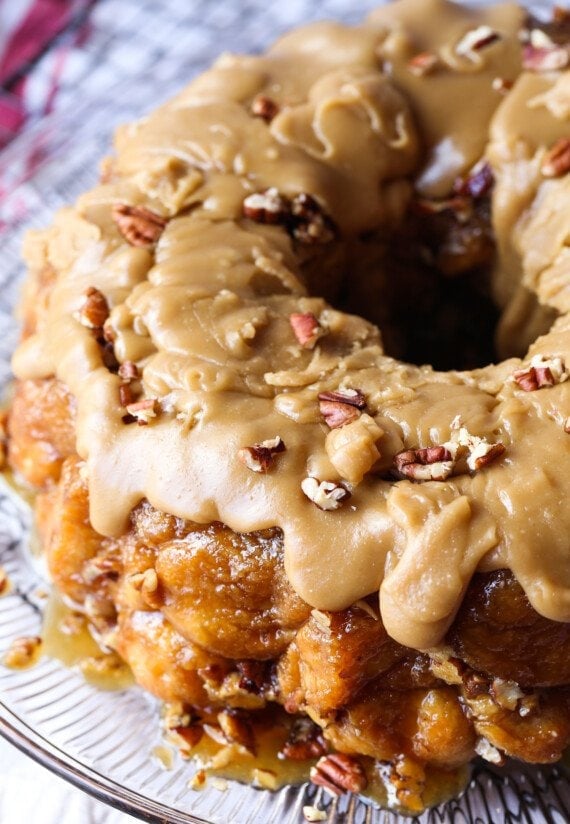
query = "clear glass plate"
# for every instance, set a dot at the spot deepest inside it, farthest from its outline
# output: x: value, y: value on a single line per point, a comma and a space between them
x: 102, y: 741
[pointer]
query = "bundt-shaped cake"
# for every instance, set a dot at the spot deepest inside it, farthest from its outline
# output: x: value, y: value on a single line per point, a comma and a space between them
x: 258, y: 498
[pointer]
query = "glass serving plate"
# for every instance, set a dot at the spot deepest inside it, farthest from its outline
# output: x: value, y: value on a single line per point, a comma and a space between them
x: 103, y: 741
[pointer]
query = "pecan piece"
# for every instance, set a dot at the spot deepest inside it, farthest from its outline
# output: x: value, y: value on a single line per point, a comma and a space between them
x: 541, y: 372
x: 545, y: 59
x: 264, y: 107
x: 94, y: 310
x: 337, y: 414
x: 237, y: 728
x: 307, y: 328
x: 339, y: 773
x: 305, y: 741
x: 353, y: 397
x: 309, y: 223
x: 255, y: 676
x: 556, y: 161
x: 266, y: 207
x: 477, y: 183
x: 142, y: 411
x: 475, y: 40
x: 128, y: 371
x: 489, y: 753
x: 326, y: 495
x: 137, y: 224
x: 423, y: 63
x: 261, y: 456
x: 432, y: 463
x: 23, y: 652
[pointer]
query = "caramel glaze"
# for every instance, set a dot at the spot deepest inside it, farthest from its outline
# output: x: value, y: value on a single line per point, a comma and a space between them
x: 205, y: 314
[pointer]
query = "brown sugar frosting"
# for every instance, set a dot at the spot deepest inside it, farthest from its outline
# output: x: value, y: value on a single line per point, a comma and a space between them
x: 205, y: 304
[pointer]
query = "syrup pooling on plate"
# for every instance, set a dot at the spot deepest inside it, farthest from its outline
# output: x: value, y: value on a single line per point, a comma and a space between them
x: 202, y: 297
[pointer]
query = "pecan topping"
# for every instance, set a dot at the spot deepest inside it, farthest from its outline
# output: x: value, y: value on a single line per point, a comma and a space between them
x: 261, y: 456
x: 314, y: 814
x: 487, y: 751
x: 142, y: 411
x: 23, y: 652
x: 541, y: 372
x: 307, y: 328
x: 137, y: 224
x: 309, y: 223
x: 339, y: 773
x: 266, y: 207
x: 502, y: 85
x: 190, y: 735
x: 264, y: 107
x: 506, y: 694
x: 567, y: 426
x: 4, y: 581
x: 423, y: 63
x: 481, y: 452
x: 126, y: 397
x: 545, y: 59
x: 475, y: 40
x: 478, y: 182
x: 237, y: 728
x: 433, y: 463
x: 128, y: 371
x: 94, y: 310
x: 255, y: 676
x: 305, y: 741
x: 327, y: 495
x: 556, y: 161
x: 353, y: 397
x: 302, y: 216
x: 337, y: 414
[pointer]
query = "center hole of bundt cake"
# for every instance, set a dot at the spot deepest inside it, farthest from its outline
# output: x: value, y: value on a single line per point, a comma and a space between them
x: 427, y: 287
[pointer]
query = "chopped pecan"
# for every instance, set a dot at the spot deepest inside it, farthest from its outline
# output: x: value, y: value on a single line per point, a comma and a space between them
x: 567, y: 425
x: 237, y: 728
x: 266, y: 207
x: 137, y: 224
x: 460, y: 207
x: 128, y: 371
x: 475, y: 684
x: 309, y: 223
x: 541, y: 372
x: 502, y: 85
x: 126, y: 397
x: 305, y: 741
x: 337, y: 414
x: 142, y: 411
x: 307, y: 328
x: 255, y: 676
x: 506, y: 694
x: 264, y: 107
x: 261, y: 456
x: 556, y: 161
x: 94, y: 310
x: 339, y: 773
x: 353, y: 397
x: 326, y: 495
x: 481, y: 452
x: 432, y: 463
x: 477, y: 183
x: 23, y: 652
x: 191, y: 734
x: 475, y: 40
x: 423, y: 63
x: 4, y: 581
x: 488, y: 752
x: 311, y: 813
x: 545, y: 59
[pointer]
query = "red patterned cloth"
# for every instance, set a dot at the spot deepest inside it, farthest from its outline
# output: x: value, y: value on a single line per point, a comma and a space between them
x: 36, y: 36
